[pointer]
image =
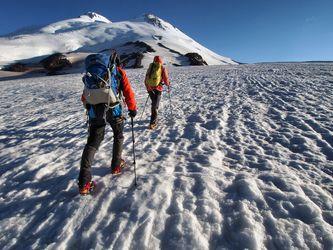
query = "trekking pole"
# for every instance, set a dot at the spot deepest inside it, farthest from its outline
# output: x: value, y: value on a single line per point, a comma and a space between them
x: 135, y: 183
x: 169, y: 90
x: 144, y: 108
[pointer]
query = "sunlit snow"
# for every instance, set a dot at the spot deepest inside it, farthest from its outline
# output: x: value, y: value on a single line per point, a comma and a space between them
x: 242, y: 158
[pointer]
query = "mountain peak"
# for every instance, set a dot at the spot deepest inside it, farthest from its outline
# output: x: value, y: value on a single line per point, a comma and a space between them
x: 150, y: 16
x: 156, y: 21
x: 96, y: 17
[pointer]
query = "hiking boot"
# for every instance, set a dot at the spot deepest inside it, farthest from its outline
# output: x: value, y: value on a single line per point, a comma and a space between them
x: 152, y: 126
x: 87, y: 188
x: 117, y: 169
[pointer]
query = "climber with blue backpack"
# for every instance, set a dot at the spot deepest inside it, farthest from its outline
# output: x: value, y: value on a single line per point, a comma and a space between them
x: 105, y: 87
x: 156, y: 77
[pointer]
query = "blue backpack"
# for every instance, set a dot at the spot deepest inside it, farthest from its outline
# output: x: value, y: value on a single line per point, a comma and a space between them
x: 102, y: 82
x: 97, y: 71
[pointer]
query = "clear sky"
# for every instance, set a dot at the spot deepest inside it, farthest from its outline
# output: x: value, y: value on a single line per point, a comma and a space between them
x: 245, y: 30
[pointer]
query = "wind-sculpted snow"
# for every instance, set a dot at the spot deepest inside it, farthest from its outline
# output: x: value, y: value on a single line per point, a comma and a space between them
x: 242, y: 158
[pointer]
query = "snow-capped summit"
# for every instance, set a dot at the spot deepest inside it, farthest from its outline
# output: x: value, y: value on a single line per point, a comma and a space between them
x: 96, y: 17
x: 75, y: 23
x: 139, y: 40
x: 156, y: 21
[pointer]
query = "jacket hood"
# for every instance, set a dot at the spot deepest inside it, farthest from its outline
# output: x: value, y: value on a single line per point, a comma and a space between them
x: 158, y: 59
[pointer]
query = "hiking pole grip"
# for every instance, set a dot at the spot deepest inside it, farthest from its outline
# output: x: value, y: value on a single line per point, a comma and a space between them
x: 134, y: 162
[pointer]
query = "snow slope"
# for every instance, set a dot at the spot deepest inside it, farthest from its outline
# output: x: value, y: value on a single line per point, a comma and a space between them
x: 245, y: 160
x: 93, y: 33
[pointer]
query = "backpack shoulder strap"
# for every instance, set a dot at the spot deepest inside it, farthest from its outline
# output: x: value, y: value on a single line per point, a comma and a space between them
x: 151, y: 67
x: 120, y: 77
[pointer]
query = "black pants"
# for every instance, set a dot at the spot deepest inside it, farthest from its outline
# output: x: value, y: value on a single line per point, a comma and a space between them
x: 96, y: 136
x: 155, y: 97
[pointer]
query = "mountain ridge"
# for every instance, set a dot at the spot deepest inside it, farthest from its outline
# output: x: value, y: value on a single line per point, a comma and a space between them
x: 91, y: 33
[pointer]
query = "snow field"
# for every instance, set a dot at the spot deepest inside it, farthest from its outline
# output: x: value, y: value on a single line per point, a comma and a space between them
x: 243, y: 160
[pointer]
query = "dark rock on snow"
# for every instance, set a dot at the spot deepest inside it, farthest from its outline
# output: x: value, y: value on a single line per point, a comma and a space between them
x: 139, y: 44
x: 16, y: 67
x: 154, y: 20
x: 134, y: 59
x: 55, y: 62
x: 135, y: 56
x: 195, y: 59
x: 171, y: 50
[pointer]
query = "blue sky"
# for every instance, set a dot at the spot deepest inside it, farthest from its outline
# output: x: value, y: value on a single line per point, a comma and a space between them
x: 245, y: 30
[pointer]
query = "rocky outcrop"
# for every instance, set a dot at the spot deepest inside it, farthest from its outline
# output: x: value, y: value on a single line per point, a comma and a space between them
x: 154, y: 20
x: 133, y: 60
x: 171, y: 50
x: 132, y: 53
x: 16, y: 67
x: 195, y: 59
x: 55, y: 62
x: 142, y: 45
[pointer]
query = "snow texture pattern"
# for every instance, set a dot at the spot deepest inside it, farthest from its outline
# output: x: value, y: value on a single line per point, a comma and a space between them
x: 245, y: 160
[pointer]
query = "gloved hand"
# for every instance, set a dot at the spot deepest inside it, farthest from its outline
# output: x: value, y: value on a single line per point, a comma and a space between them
x: 132, y: 113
